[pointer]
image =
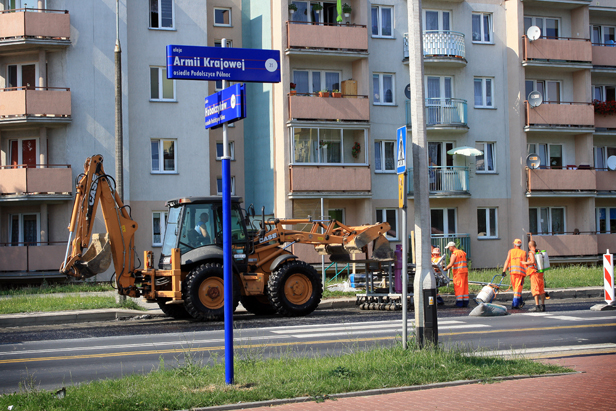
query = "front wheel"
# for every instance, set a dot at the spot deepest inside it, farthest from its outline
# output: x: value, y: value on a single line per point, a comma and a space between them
x: 257, y: 304
x: 177, y: 311
x: 203, y: 292
x: 295, y: 289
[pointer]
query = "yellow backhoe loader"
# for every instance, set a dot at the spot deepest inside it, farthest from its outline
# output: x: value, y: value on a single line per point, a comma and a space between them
x: 188, y: 282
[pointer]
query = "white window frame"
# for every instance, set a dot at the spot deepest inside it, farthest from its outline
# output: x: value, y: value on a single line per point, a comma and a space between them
x: 159, y: 16
x: 383, y: 144
x: 440, y: 19
x: 549, y: 223
x: 20, y: 149
x: 322, y: 74
x: 607, y: 219
x: 380, y: 90
x: 446, y: 229
x: 161, y: 159
x: 382, y: 218
x: 548, y: 147
x: 602, y: 90
x: 20, y: 235
x: 602, y: 151
x: 602, y: 29
x: 219, y: 192
x: 231, y: 150
x: 542, y: 28
x: 230, y: 17
x: 484, y: 90
x: 380, y: 19
x: 19, y: 76
x: 342, y: 147
x: 482, y: 28
x: 161, y: 78
x: 546, y: 97
x: 485, y: 150
x: 162, y: 225
x: 488, y: 226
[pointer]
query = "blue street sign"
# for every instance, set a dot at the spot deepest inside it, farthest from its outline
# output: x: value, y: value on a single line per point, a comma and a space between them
x: 218, y: 63
x: 225, y: 106
x: 401, y: 144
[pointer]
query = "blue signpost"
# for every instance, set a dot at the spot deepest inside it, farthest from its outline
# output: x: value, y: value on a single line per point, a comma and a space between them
x: 226, y: 64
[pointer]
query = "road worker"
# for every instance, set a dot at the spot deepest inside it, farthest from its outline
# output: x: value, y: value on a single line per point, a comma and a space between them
x: 514, y: 260
x: 536, y: 278
x: 436, y: 257
x: 457, y: 261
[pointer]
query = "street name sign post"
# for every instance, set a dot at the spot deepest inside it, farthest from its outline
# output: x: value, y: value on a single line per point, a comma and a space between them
x: 401, y: 170
x: 226, y: 64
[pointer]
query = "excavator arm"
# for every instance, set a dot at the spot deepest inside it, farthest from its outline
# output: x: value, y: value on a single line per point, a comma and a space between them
x: 89, y: 254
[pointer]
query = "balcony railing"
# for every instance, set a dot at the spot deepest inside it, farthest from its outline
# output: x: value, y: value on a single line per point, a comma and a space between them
x: 440, y: 43
x: 37, y: 179
x: 463, y: 242
x: 442, y: 112
x: 347, y: 37
x: 309, y: 107
x: 604, y: 55
x: 572, y: 244
x: 561, y: 114
x: 329, y: 178
x: 43, y: 102
x: 31, y: 256
x: 605, y: 121
x: 445, y: 180
x: 36, y: 24
x: 582, y: 178
x: 559, y: 48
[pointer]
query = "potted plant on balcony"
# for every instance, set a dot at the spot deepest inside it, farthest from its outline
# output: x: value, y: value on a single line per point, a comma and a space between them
x: 292, y: 8
x: 605, y: 107
x: 336, y: 93
x: 323, y: 93
x: 355, y: 150
x: 346, y: 9
x: 293, y: 92
x: 317, y: 7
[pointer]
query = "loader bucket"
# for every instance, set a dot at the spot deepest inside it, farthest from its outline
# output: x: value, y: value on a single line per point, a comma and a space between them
x: 362, y: 239
x: 97, y: 258
x: 382, y: 250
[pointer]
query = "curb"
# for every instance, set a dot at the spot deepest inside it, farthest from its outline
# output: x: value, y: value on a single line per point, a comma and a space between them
x: 378, y: 391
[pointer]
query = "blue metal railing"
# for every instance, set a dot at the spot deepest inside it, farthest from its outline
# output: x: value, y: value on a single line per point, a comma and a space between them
x: 439, y: 43
x: 453, y: 180
x: 442, y: 112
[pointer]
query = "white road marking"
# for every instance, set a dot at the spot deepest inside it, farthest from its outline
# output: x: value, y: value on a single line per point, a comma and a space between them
x: 368, y: 332
x: 353, y: 326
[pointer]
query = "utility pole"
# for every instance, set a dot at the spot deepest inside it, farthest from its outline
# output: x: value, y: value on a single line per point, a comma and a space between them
x: 118, y: 118
x: 424, y: 286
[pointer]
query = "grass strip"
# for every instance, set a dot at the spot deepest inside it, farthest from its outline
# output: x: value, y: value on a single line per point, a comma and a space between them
x: 31, y: 304
x: 46, y: 288
x: 189, y: 384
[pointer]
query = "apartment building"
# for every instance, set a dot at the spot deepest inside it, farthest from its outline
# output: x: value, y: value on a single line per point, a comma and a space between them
x: 57, y: 108
x: 335, y: 156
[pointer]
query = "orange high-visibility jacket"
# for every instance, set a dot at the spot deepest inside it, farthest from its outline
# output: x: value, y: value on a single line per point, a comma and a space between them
x: 516, y: 256
x: 460, y: 266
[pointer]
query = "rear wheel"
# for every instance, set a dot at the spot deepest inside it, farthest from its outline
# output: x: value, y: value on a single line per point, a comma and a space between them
x: 295, y: 289
x: 257, y: 304
x: 177, y: 311
x: 203, y: 292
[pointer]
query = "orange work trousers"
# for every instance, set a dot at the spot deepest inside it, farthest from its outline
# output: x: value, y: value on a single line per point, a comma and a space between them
x: 517, y: 283
x: 537, y: 284
x: 460, y: 287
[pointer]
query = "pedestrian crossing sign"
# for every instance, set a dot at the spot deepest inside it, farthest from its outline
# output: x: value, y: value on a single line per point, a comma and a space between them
x: 401, y: 144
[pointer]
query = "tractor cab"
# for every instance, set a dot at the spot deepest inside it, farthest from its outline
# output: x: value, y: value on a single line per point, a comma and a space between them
x: 194, y: 225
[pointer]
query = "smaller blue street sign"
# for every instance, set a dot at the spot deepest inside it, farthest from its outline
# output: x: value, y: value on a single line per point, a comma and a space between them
x: 225, y: 106
x: 401, y: 144
x: 217, y: 63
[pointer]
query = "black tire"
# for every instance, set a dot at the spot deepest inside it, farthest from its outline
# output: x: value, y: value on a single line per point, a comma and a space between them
x: 299, y: 298
x: 257, y: 304
x: 198, y: 303
x: 177, y: 311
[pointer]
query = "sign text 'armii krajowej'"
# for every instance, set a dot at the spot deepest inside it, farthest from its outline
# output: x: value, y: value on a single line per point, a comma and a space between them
x: 225, y: 106
x: 217, y: 63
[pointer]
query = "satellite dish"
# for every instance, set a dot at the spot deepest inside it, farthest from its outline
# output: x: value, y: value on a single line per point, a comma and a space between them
x: 533, y: 161
x: 407, y: 91
x: 611, y: 163
x: 535, y: 99
x: 533, y: 33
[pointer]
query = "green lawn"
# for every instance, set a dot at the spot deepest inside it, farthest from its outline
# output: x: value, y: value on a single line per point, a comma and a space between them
x: 46, y: 288
x: 291, y: 375
x: 31, y: 304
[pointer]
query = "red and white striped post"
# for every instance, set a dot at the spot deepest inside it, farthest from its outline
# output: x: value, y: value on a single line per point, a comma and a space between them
x: 608, y: 277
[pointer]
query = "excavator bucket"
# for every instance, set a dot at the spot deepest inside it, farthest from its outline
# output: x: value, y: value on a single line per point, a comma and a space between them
x: 364, y: 238
x: 97, y: 258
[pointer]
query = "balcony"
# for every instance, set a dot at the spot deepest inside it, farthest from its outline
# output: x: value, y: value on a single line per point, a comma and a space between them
x: 605, y: 122
x: 604, y: 57
x: 348, y: 41
x: 441, y: 48
x: 445, y: 181
x: 31, y: 28
x: 22, y: 257
x: 445, y: 114
x: 560, y: 116
x: 569, y: 182
x: 606, y: 181
x: 332, y: 179
x: 569, y: 244
x: 19, y: 105
x: 463, y: 240
x: 562, y: 52
x: 346, y: 108
x: 28, y: 183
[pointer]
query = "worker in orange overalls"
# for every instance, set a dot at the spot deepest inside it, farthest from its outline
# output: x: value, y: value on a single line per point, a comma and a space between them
x: 457, y: 261
x: 515, y: 258
x: 536, y: 278
x: 436, y: 257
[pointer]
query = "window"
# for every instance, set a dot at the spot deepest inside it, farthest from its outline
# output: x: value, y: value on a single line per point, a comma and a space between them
x: 547, y: 220
x: 601, y: 154
x: 382, y: 21
x: 24, y: 151
x: 439, y: 104
x: 313, y: 81
x: 219, y: 186
x: 436, y: 20
x: 389, y: 215
x: 164, y: 158
x: 606, y: 220
x: 219, y: 150
x: 222, y: 17
x: 603, y: 35
x: 443, y: 220
x: 551, y: 155
x: 384, y: 156
x: 550, y: 27
x: 484, y: 90
x: 482, y: 27
x: 604, y: 93
x: 487, y: 222
x: 24, y: 229
x: 305, y: 12
x: 161, y: 14
x: 550, y: 90
x: 161, y: 88
x: 328, y: 146
x: 159, y: 222
x: 336, y: 214
x: 383, y: 89
x: 22, y: 75
x: 485, y: 162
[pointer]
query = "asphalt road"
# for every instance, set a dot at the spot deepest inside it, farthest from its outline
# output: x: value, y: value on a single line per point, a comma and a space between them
x: 56, y: 356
